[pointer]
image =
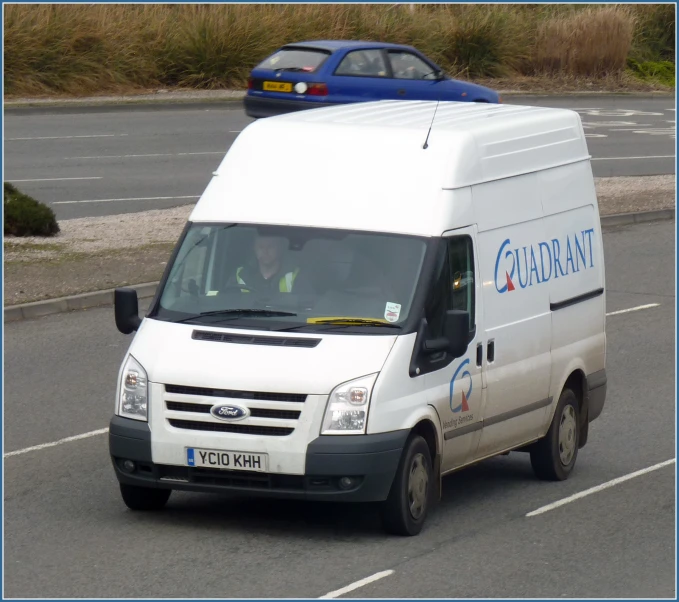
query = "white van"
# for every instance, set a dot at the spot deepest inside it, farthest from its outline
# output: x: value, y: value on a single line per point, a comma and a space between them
x: 367, y: 298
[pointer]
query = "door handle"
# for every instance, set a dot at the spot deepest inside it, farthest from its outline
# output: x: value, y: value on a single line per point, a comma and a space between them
x: 491, y: 351
x: 479, y: 354
x: 402, y: 92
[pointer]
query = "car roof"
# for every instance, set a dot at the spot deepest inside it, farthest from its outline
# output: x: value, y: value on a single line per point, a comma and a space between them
x: 334, y: 45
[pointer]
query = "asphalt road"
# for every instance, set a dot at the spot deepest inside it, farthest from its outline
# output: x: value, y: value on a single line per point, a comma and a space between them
x: 68, y: 534
x: 103, y: 161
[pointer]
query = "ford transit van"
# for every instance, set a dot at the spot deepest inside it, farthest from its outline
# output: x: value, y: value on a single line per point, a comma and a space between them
x: 365, y: 299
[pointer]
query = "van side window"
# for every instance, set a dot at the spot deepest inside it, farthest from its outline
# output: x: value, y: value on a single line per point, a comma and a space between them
x: 439, y: 300
x: 462, y: 284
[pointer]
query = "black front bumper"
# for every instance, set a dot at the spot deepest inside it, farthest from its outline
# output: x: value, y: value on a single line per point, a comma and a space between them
x: 371, y: 459
x: 257, y: 106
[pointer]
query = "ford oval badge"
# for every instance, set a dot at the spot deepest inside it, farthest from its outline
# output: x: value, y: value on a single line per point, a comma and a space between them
x: 229, y: 412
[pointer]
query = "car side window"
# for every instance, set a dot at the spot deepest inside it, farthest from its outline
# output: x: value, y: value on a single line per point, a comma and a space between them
x: 462, y: 282
x: 363, y: 63
x: 405, y: 65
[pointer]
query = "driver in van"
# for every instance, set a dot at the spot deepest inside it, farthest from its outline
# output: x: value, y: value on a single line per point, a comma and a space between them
x: 270, y: 272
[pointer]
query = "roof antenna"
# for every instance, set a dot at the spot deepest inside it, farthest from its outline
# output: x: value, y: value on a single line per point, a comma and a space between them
x: 426, y: 145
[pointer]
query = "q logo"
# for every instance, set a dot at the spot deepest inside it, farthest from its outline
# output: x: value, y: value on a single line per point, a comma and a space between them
x: 463, y: 406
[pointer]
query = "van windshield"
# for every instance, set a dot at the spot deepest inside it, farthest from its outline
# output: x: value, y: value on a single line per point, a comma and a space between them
x: 292, y: 278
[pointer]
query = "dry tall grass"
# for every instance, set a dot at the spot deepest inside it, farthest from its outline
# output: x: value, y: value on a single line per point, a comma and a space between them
x: 77, y: 48
x: 589, y: 42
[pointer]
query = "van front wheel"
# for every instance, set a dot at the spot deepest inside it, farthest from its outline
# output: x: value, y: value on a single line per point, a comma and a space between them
x: 553, y: 457
x: 144, y: 498
x: 406, y: 508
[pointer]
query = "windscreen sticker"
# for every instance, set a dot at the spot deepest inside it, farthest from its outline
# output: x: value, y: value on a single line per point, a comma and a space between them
x: 392, y: 312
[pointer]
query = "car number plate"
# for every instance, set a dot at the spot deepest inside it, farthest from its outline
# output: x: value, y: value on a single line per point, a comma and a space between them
x: 225, y: 460
x: 277, y: 87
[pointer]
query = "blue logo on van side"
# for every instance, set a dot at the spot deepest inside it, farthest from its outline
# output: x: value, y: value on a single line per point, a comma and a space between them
x: 540, y: 263
x: 463, y: 405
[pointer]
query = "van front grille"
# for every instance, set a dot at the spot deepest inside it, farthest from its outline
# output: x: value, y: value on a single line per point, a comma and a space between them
x: 245, y: 429
x: 255, y: 396
x: 201, y: 408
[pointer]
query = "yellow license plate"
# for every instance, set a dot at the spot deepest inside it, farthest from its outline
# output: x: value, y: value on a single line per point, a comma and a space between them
x: 277, y: 87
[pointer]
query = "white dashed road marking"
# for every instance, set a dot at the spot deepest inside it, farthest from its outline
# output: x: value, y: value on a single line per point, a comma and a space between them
x: 586, y: 492
x: 357, y: 584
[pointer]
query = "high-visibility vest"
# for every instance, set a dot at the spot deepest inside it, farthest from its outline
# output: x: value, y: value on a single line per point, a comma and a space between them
x: 284, y: 284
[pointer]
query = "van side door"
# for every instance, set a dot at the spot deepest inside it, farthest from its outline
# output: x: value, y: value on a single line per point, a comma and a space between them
x: 455, y: 386
x: 515, y: 268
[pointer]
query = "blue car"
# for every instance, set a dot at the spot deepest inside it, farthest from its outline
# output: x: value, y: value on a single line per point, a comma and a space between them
x: 306, y: 75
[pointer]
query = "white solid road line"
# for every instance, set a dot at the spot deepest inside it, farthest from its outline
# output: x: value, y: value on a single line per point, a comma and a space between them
x: 67, y: 137
x: 357, y: 584
x: 18, y: 452
x: 102, y: 431
x: 639, y: 307
x: 55, y: 179
x: 148, y: 198
x: 601, y: 487
x: 148, y: 155
x: 627, y: 158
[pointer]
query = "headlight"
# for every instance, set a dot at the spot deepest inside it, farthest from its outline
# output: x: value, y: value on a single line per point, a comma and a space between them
x: 347, y: 409
x: 133, y: 398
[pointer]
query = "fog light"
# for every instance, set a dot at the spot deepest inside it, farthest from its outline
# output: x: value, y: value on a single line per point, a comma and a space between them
x: 347, y: 482
x: 129, y: 466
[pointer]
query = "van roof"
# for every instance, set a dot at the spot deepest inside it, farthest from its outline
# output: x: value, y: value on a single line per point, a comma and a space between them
x: 363, y: 165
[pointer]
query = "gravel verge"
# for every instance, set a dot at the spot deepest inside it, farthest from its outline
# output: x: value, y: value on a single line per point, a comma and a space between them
x: 91, y: 254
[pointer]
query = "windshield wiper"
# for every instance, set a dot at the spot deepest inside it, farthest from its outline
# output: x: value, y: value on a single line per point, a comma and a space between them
x: 232, y: 314
x: 352, y: 322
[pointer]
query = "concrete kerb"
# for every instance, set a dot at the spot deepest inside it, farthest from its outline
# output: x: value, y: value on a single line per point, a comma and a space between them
x: 234, y: 96
x: 38, y: 309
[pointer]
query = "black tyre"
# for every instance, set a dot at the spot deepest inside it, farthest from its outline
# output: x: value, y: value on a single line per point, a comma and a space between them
x: 406, y: 508
x: 554, y: 456
x: 144, y: 498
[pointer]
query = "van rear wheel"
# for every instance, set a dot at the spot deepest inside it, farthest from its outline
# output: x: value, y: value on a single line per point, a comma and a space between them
x: 553, y: 457
x: 144, y: 498
x: 406, y: 508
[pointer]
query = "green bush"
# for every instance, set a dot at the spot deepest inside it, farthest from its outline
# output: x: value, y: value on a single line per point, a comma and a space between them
x: 662, y: 72
x: 24, y: 216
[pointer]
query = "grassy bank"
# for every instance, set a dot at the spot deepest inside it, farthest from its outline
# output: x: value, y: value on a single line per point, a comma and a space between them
x: 89, y: 49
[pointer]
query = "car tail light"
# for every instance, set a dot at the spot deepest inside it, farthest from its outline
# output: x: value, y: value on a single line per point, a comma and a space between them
x: 317, y: 90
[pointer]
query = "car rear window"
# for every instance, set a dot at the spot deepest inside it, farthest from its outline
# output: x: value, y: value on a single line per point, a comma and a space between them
x: 295, y: 59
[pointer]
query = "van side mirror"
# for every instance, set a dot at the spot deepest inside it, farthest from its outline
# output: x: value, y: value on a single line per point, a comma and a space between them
x: 126, y: 307
x: 455, y: 339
